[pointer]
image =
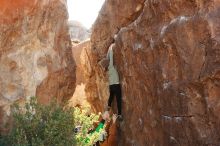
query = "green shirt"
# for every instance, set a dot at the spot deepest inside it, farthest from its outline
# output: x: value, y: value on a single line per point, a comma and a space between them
x: 98, y: 128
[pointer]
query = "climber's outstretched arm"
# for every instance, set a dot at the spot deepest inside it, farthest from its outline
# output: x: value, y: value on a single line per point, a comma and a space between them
x: 110, y: 56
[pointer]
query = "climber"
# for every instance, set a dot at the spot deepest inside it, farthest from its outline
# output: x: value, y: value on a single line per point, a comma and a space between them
x: 114, y: 85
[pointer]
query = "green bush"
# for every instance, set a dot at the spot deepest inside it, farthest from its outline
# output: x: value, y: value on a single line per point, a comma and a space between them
x: 41, y: 125
x: 50, y: 125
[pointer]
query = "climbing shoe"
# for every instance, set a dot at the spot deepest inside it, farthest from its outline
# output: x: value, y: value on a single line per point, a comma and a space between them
x: 120, y: 118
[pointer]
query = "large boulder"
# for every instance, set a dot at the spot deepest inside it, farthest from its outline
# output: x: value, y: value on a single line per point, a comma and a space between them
x: 167, y: 55
x: 35, y: 52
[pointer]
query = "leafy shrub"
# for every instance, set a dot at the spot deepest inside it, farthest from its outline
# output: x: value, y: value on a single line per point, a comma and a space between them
x: 41, y: 125
x: 50, y: 125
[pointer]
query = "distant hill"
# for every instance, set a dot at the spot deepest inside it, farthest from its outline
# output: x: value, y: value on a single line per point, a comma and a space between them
x: 78, y: 32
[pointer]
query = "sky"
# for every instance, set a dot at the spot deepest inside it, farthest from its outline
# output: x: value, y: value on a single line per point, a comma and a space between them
x: 84, y: 11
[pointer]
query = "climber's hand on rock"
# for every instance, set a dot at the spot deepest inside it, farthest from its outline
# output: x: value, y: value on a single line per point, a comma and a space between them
x: 104, y: 63
x: 112, y: 46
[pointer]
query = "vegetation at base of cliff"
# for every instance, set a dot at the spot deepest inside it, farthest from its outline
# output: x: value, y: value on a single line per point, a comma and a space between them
x: 50, y: 125
x: 41, y: 125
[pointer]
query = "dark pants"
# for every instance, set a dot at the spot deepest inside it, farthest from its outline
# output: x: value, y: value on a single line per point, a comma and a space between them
x: 115, y: 90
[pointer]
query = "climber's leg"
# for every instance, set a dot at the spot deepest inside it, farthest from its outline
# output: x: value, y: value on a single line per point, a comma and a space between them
x: 111, y: 96
x: 118, y: 97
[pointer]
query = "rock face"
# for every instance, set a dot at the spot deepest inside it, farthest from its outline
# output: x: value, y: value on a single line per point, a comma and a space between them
x: 78, y: 32
x: 79, y: 51
x: 35, y: 52
x: 168, y: 57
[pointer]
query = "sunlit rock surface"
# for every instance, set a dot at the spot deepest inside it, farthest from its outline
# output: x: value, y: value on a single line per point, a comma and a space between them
x: 168, y: 57
x: 35, y: 52
x: 79, y: 51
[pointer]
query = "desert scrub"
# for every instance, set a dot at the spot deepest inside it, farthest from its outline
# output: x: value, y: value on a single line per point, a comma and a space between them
x: 41, y: 125
x: 51, y: 125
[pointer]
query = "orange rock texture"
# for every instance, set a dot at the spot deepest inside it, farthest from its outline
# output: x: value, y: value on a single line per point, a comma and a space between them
x: 168, y: 57
x: 78, y: 51
x: 35, y: 52
x: 79, y: 98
